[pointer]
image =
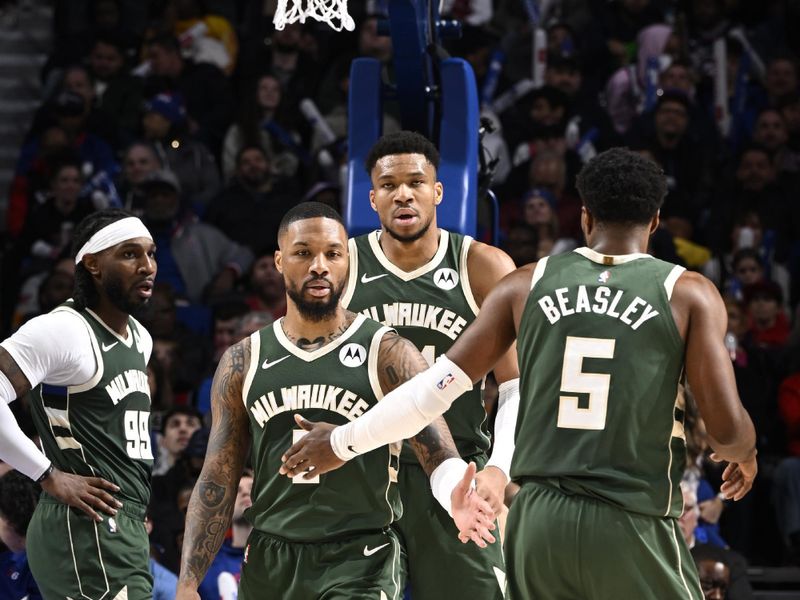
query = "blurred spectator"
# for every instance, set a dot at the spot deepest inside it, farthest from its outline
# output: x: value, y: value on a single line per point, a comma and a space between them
x: 117, y: 93
x: 251, y: 206
x: 204, y: 37
x: 522, y: 245
x: 262, y: 121
x: 42, y: 292
x: 723, y: 573
x: 177, y: 427
x: 18, y: 498
x: 139, y: 161
x: 786, y: 499
x: 165, y: 582
x: 209, y: 101
x: 623, y: 21
x: 227, y: 564
x: 227, y: 316
x: 768, y: 322
x: 252, y: 322
x: 264, y: 285
x: 164, y: 126
x: 197, y: 259
x: 539, y: 213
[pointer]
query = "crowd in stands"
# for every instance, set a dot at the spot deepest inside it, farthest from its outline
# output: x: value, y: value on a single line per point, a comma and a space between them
x: 187, y: 113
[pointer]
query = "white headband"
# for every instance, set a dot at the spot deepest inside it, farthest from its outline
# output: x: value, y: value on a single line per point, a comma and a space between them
x: 113, y: 234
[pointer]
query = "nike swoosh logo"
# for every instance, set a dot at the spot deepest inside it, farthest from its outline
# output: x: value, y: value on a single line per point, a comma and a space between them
x: 353, y: 450
x: 109, y: 347
x: 266, y: 364
x: 365, y: 279
x: 370, y: 551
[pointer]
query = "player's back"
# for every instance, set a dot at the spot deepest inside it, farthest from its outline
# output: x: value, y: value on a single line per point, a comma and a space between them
x: 601, y: 366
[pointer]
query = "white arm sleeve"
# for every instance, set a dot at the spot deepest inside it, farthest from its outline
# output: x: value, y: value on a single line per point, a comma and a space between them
x: 17, y: 449
x: 505, y: 427
x: 404, y: 411
x: 54, y: 348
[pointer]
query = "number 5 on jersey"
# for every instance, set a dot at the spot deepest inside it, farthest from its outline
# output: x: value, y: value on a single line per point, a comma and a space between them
x: 575, y: 381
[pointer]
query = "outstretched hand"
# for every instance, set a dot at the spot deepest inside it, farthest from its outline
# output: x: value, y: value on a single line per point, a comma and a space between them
x: 473, y: 516
x: 83, y: 493
x: 312, y: 455
x: 737, y: 479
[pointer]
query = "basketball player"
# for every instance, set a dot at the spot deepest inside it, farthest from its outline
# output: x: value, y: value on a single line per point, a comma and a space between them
x: 86, y: 365
x: 428, y: 284
x: 606, y: 337
x: 325, y: 537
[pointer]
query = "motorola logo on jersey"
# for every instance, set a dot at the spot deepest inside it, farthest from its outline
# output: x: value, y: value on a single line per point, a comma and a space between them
x: 353, y: 355
x: 445, y: 279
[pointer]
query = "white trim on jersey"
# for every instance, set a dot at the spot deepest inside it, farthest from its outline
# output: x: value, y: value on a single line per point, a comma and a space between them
x: 352, y: 277
x: 672, y: 279
x: 372, y: 361
x: 255, y: 352
x: 429, y: 266
x: 538, y: 271
x: 127, y: 340
x: 466, y: 286
x: 605, y: 259
x: 319, y: 352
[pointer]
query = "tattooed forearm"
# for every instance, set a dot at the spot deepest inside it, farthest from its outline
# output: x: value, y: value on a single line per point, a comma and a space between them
x: 433, y: 445
x: 211, y: 507
x: 398, y: 361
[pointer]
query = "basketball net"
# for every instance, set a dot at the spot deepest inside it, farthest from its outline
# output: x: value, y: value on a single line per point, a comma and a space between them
x: 332, y: 12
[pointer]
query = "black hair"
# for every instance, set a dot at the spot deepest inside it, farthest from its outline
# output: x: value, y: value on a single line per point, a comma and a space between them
x: 85, y: 292
x: 754, y: 147
x: 247, y: 148
x: 744, y: 254
x: 308, y: 210
x: 63, y: 162
x: 622, y: 186
x: 167, y: 41
x: 402, y: 142
x: 189, y: 411
x: 230, y: 308
x: 18, y: 498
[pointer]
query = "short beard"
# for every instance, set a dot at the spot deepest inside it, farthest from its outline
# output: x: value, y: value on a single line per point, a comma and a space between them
x: 413, y: 237
x: 115, y: 292
x: 316, y: 311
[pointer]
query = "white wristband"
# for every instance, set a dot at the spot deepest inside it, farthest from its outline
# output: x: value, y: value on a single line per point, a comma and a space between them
x: 444, y: 478
x: 404, y: 411
x: 505, y: 425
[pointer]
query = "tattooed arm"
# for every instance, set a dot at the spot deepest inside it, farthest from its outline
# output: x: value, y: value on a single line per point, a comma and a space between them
x: 211, y: 506
x: 398, y: 361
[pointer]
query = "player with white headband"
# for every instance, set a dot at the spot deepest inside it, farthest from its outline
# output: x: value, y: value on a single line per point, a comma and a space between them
x: 85, y: 366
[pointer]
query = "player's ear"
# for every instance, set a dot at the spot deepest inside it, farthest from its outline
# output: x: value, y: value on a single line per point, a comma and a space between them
x: 438, y: 191
x: 278, y: 264
x: 372, y: 200
x: 655, y: 222
x: 91, y: 264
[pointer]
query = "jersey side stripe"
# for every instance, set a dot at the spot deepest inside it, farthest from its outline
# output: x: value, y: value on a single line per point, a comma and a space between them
x: 538, y: 271
x: 466, y: 286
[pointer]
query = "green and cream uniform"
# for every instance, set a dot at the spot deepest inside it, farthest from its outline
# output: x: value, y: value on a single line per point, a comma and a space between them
x: 329, y: 537
x: 99, y: 428
x: 600, y: 447
x: 431, y: 306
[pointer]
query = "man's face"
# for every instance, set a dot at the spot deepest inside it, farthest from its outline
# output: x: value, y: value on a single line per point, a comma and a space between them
x: 764, y: 308
x: 163, y: 62
x: 155, y: 125
x: 543, y: 113
x: 770, y: 130
x: 373, y: 45
x: 266, y: 280
x: 177, y: 432
x: 253, y: 168
x: 671, y: 120
x: 126, y: 273
x: 314, y: 262
x: 566, y: 79
x: 243, y: 500
x: 781, y: 78
x: 755, y: 171
x: 748, y: 271
x: 161, y: 203
x: 140, y: 161
x: 224, y: 335
x: 66, y: 187
x: 714, y: 578
x: 405, y: 194
x: 689, y: 516
x: 537, y: 211
x: 269, y: 93
x: 76, y: 80
x: 105, y: 61
x: 677, y: 77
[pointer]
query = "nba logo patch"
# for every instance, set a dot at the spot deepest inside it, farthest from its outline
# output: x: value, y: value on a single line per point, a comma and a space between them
x: 112, y: 525
x: 604, y: 277
x: 447, y: 380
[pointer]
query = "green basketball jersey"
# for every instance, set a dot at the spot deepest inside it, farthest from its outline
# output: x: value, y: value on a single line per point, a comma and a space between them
x: 601, y: 381
x: 336, y: 383
x: 102, y: 427
x: 430, y: 306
